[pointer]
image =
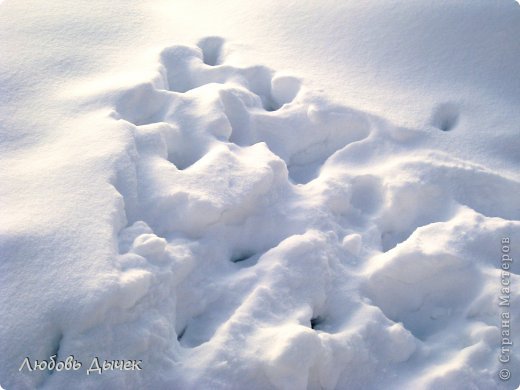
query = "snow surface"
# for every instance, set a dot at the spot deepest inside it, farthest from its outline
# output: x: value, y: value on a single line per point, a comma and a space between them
x: 259, y: 196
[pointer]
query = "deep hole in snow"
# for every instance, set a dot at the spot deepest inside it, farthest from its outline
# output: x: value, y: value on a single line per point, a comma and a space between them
x: 316, y: 322
x: 211, y: 50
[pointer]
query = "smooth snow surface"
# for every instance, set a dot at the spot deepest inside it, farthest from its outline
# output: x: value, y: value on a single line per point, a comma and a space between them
x: 308, y: 195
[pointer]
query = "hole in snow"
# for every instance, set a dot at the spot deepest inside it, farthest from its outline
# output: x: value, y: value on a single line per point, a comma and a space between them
x: 181, y: 333
x: 316, y: 322
x: 271, y: 106
x: 245, y: 258
x: 182, y: 163
x: 283, y: 91
x: 303, y: 174
x: 211, y: 50
x: 445, y: 116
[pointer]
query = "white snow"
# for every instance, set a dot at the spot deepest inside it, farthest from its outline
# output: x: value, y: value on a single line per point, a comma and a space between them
x: 307, y: 195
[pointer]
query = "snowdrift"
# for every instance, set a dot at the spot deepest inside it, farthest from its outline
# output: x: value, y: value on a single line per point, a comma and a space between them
x: 230, y: 226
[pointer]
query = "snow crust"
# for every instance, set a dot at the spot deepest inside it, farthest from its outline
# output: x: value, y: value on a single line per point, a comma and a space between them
x: 170, y: 196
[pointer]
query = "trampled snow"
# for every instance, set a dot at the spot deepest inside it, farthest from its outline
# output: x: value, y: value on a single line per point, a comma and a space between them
x: 308, y: 195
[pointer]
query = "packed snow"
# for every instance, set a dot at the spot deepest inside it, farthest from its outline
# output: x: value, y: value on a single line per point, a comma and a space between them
x: 309, y: 195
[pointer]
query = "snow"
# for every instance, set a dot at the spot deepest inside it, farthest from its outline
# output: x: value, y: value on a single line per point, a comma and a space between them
x: 290, y: 196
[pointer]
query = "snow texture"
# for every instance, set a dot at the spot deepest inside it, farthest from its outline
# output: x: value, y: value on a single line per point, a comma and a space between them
x: 235, y: 228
